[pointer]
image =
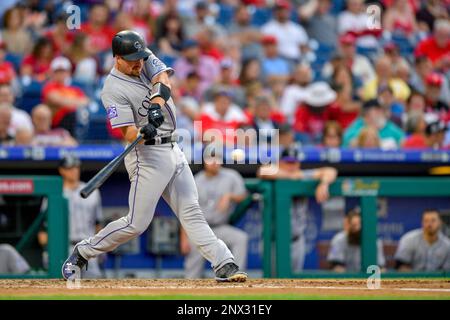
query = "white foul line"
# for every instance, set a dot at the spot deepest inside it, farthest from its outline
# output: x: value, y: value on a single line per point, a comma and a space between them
x: 262, y: 287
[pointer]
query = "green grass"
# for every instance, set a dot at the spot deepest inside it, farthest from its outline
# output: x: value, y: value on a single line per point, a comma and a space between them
x: 221, y: 297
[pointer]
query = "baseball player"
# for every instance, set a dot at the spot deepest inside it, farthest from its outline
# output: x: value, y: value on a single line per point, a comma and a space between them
x: 289, y: 167
x: 85, y: 215
x: 344, y: 254
x: 11, y: 262
x: 220, y: 189
x: 425, y: 249
x: 137, y: 97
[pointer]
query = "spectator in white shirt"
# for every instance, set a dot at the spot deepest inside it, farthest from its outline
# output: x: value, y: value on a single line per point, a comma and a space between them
x: 359, y: 64
x: 291, y: 37
x: 355, y: 19
x: 294, y: 93
x: 20, y: 119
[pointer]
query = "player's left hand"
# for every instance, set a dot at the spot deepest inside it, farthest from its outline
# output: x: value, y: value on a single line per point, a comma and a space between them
x: 148, y: 132
x: 322, y: 193
x: 155, y: 115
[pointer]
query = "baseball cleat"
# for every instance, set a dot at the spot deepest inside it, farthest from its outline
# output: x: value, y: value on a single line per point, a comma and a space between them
x: 74, y: 262
x: 230, y: 273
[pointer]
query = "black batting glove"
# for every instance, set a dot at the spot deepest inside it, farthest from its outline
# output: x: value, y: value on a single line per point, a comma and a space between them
x: 148, y: 132
x: 155, y: 115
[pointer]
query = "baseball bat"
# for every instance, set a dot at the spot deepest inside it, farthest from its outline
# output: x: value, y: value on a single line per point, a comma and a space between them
x: 104, y: 174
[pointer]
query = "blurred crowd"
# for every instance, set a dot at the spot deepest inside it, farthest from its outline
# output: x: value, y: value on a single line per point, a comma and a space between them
x: 329, y: 73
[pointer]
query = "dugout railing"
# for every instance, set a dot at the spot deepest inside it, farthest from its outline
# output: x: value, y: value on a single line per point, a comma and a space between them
x: 55, y: 213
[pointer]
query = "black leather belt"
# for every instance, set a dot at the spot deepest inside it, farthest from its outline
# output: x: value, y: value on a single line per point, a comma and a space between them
x: 160, y: 141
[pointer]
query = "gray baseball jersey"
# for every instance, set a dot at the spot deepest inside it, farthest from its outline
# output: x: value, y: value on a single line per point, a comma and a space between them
x: 210, y: 190
x: 415, y: 251
x: 84, y: 214
x: 350, y: 255
x: 127, y: 98
x: 11, y: 261
x: 154, y: 171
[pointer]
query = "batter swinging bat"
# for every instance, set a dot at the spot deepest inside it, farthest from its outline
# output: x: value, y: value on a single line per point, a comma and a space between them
x: 104, y: 174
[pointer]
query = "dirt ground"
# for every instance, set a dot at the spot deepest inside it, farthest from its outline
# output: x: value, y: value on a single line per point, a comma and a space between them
x: 259, y: 288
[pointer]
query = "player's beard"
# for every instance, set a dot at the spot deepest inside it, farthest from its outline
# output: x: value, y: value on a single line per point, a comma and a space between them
x: 136, y: 71
x: 354, y: 238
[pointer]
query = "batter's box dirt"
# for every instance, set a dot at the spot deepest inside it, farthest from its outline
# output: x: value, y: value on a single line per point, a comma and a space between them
x: 209, y: 289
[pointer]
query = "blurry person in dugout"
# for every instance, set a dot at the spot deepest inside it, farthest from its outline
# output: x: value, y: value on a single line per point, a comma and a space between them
x: 424, y: 249
x: 11, y: 261
x: 85, y: 215
x: 344, y: 254
x: 289, y: 167
x: 219, y: 191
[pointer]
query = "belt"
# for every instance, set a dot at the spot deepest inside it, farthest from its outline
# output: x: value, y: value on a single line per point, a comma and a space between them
x: 160, y: 140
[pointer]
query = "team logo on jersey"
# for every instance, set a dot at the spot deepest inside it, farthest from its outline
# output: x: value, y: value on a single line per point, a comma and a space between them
x: 112, y: 112
x: 157, y: 63
x: 138, y: 45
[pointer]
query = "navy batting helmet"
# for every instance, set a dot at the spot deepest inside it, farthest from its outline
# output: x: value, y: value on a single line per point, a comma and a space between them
x: 130, y: 46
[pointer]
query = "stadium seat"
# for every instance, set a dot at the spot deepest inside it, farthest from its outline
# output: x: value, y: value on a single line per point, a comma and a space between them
x: 15, y: 59
x: 32, y: 96
x: 225, y: 14
x: 261, y: 16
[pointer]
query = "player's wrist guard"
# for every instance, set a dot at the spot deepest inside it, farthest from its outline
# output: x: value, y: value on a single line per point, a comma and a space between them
x: 155, y: 115
x: 159, y: 89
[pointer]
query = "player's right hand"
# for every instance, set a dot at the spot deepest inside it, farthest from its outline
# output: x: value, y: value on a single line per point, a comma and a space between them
x: 148, y: 132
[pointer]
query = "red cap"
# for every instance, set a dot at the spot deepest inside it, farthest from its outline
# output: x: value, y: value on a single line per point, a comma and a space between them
x: 390, y: 46
x: 268, y: 39
x: 347, y: 38
x: 283, y: 4
x: 434, y: 79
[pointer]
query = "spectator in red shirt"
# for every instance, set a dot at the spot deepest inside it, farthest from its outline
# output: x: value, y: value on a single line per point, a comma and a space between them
x: 37, y: 64
x: 98, y: 30
x: 59, y: 35
x: 432, y: 136
x: 433, y: 84
x: 223, y: 116
x: 416, y: 125
x: 62, y: 98
x: 437, y: 47
x: 348, y: 90
x: 311, y: 116
x: 207, y: 42
x: 43, y: 134
x: 7, y: 72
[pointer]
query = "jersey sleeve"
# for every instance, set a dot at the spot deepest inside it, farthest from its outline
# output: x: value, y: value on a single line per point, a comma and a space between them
x: 336, y: 253
x: 154, y: 66
x: 16, y: 263
x: 118, y: 109
x: 446, y: 266
x: 309, y: 174
x: 405, y: 250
